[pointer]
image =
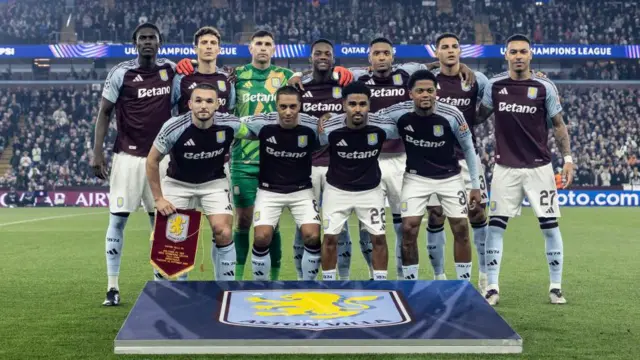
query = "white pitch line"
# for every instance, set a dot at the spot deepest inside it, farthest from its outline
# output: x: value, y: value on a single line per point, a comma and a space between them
x: 48, y: 218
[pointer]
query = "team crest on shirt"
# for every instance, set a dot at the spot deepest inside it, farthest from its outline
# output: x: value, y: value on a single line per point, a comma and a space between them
x: 221, y: 136
x: 337, y: 92
x: 275, y: 82
x: 465, y: 86
x: 532, y: 92
x: 438, y: 130
x: 372, y: 139
x: 397, y: 79
x: 222, y: 86
x: 303, y: 141
x: 163, y: 75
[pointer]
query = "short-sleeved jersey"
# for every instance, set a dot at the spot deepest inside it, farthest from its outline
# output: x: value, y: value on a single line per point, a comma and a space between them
x: 388, y: 91
x: 453, y: 91
x: 522, y: 111
x: 183, y: 85
x: 430, y: 140
x: 285, y: 154
x: 142, y: 99
x: 255, y: 94
x: 318, y: 99
x: 354, y: 153
x: 197, y: 155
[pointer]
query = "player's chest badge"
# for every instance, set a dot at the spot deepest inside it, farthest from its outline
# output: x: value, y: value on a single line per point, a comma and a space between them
x: 397, y: 79
x: 465, y: 86
x: 303, y: 141
x: 438, y: 130
x: 163, y: 75
x: 372, y: 139
x: 222, y: 86
x: 337, y: 92
x: 275, y: 82
x: 532, y: 92
x: 221, y: 136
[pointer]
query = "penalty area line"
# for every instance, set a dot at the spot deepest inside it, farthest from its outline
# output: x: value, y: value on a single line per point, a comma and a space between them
x: 48, y: 218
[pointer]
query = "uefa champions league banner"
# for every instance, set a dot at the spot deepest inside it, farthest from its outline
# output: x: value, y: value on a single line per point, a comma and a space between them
x: 566, y: 198
x: 93, y: 51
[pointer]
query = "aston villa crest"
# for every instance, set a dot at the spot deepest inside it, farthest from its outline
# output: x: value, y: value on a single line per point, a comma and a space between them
x: 163, y: 75
x: 222, y: 86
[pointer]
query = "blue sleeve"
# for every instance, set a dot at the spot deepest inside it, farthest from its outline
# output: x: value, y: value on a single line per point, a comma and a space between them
x: 232, y: 121
x: 487, y: 100
x: 482, y: 81
x: 463, y: 134
x: 335, y: 122
x: 394, y: 112
x: 170, y: 133
x: 552, y: 101
x: 113, y: 83
x: 309, y: 121
x: 412, y: 67
x: 255, y: 123
x: 389, y: 126
x: 175, y: 91
x: 232, y: 97
x: 358, y: 72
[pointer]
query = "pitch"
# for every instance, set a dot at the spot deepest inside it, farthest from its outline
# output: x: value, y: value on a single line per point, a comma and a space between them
x: 53, y: 282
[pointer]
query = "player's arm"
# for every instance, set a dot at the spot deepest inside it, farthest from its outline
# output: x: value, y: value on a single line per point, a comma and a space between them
x: 161, y: 146
x: 110, y: 94
x: 483, y: 82
x: 486, y: 105
x: 466, y: 73
x: 175, y: 90
x: 395, y: 112
x: 560, y: 132
x: 252, y: 124
x: 462, y: 132
x: 333, y: 123
x: 232, y: 97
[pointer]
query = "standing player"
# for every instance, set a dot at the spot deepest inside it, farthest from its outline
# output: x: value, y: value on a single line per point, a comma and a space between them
x: 355, y: 140
x: 198, y: 142
x: 451, y: 90
x: 287, y: 140
x: 139, y: 91
x: 524, y: 106
x: 430, y: 131
x: 322, y: 94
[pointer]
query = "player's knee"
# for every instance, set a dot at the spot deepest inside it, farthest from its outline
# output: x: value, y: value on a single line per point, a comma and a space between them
x: 548, y: 223
x: 223, y: 235
x: 460, y: 230
x: 498, y: 221
x: 436, y: 216
x: 244, y: 217
x: 262, y: 237
x: 477, y: 215
x: 311, y: 237
x: 379, y: 241
x: 330, y: 240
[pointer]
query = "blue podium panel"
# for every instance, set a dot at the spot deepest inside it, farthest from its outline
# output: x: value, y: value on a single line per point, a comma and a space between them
x: 307, y: 317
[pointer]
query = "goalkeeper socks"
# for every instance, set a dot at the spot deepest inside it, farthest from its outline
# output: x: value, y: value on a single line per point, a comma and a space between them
x: 554, y: 250
x: 366, y: 247
x: 226, y: 262
x: 493, y: 249
x: 114, y: 242
x: 276, y: 254
x: 241, y: 241
x: 479, y: 238
x: 397, y: 226
x: 311, y: 262
x: 344, y: 253
x: 260, y: 263
x: 298, y: 251
x: 435, y: 247
x: 463, y: 271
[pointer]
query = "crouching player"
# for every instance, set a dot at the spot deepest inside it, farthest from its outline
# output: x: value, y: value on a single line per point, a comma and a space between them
x: 198, y: 142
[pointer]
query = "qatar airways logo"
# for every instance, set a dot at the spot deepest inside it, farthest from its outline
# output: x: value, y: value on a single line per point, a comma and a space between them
x: 454, y: 101
x: 358, y: 154
x: 357, y: 50
x: 157, y: 91
x: 516, y: 108
x: 388, y: 92
x: 307, y: 107
x: 203, y: 155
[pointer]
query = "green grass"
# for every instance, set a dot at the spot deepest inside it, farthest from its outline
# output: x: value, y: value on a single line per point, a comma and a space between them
x: 53, y: 282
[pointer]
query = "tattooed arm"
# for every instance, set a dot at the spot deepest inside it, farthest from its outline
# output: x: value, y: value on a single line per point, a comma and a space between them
x: 563, y: 142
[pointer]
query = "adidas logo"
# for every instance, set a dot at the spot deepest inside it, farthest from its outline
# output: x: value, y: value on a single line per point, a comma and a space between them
x: 258, y: 273
x: 112, y: 252
x: 190, y: 142
x: 493, y: 263
x: 549, y: 211
x: 503, y: 91
x: 554, y: 263
x: 308, y: 94
x: 465, y: 276
x: 192, y: 86
x: 229, y: 273
x: 342, y: 143
x: 229, y: 207
x: 409, y: 128
x: 410, y: 277
x: 345, y: 254
x: 370, y: 82
x: 317, y: 218
x: 138, y: 78
x: 272, y: 140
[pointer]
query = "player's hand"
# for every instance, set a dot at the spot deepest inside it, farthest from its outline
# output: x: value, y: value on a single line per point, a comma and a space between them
x: 540, y: 74
x: 186, y: 66
x: 474, y: 198
x: 342, y: 75
x: 164, y: 207
x: 99, y: 165
x: 232, y: 73
x: 321, y: 121
x: 567, y: 174
x: 296, y: 82
x: 467, y: 75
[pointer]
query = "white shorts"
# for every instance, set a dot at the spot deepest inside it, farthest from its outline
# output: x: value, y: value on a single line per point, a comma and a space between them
x: 128, y: 185
x: 450, y: 192
x: 464, y: 172
x: 269, y: 206
x: 392, y: 169
x: 318, y: 180
x: 213, y: 196
x: 510, y: 185
x: 337, y: 206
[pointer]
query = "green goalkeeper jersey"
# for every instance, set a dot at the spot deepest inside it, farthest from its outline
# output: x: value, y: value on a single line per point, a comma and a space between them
x: 255, y: 94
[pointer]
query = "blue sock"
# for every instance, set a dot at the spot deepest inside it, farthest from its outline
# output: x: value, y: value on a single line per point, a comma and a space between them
x: 480, y: 238
x: 397, y: 226
x: 435, y: 247
x: 344, y: 253
x: 554, y: 250
x: 494, y: 247
x: 366, y: 247
x: 298, y: 251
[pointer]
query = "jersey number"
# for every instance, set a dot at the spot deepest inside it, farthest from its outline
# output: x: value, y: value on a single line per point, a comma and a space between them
x: 315, y: 206
x: 377, y: 216
x: 547, y: 197
x: 463, y: 197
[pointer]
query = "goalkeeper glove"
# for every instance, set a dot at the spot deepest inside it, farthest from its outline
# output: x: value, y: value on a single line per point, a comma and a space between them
x: 185, y: 66
x: 342, y: 75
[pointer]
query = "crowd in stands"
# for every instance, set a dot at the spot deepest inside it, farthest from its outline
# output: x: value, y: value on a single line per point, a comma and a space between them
x: 343, y: 21
x: 52, y: 135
